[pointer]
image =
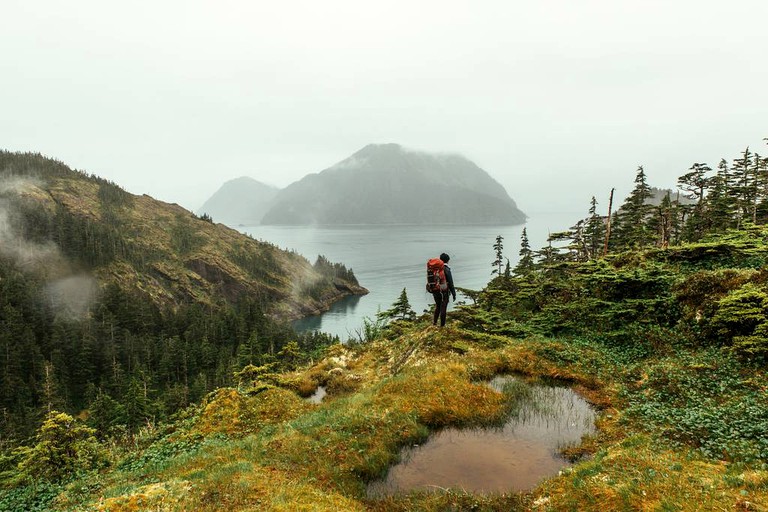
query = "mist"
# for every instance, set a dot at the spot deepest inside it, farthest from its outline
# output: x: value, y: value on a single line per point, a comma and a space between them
x: 558, y: 101
x: 72, y: 297
x: 69, y: 295
x: 27, y: 255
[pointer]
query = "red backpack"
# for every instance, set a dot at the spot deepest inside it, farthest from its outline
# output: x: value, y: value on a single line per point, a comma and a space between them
x: 436, y: 281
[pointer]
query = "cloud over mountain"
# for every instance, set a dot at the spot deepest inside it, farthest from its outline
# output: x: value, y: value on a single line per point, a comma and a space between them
x: 388, y: 184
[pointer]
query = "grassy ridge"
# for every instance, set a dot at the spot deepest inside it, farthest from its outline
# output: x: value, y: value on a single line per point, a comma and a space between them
x: 682, y: 426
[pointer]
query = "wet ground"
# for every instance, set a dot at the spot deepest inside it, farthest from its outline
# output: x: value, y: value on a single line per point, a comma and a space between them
x: 515, y: 457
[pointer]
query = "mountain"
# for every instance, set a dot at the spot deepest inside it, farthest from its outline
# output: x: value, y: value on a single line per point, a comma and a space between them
x: 132, y: 307
x: 388, y: 184
x: 161, y: 251
x: 240, y: 201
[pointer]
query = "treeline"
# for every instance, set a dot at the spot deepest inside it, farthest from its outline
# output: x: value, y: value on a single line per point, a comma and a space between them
x: 334, y: 270
x: 332, y: 274
x: 730, y: 196
x: 652, y: 271
x: 128, y: 363
x: 122, y: 362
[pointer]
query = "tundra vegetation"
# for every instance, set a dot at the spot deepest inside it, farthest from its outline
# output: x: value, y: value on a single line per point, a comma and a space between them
x: 663, y: 326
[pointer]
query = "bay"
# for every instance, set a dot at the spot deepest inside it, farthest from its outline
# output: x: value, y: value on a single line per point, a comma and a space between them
x: 386, y: 259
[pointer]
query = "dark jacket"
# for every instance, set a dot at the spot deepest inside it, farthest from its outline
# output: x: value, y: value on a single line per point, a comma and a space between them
x: 449, y: 278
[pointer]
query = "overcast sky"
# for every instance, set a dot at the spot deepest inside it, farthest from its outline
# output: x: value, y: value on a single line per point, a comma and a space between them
x: 558, y: 100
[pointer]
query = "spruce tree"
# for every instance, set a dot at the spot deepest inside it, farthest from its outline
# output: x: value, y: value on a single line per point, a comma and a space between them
x: 720, y: 202
x: 594, y: 232
x: 744, y: 187
x: 400, y: 310
x: 759, y: 183
x: 662, y: 221
x: 761, y: 211
x: 696, y: 182
x: 290, y: 355
x: 633, y: 220
x: 525, y: 264
x: 498, y: 247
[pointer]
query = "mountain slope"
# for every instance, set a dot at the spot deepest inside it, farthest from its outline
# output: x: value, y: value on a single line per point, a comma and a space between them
x: 161, y: 251
x: 240, y: 201
x: 387, y: 184
x: 132, y: 307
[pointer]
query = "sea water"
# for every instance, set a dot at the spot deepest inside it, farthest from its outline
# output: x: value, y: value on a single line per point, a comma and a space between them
x: 386, y: 259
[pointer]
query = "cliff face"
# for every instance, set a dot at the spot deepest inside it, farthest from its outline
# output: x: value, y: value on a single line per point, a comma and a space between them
x: 64, y: 222
x: 387, y: 184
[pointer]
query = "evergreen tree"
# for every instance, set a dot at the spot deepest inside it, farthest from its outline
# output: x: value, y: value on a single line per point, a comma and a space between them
x: 105, y: 414
x: 695, y: 183
x: 401, y: 309
x: 290, y: 355
x: 63, y: 447
x: 51, y: 389
x: 744, y: 188
x: 525, y: 264
x: 633, y: 218
x: 761, y: 211
x: 594, y: 232
x: 662, y: 221
x: 760, y: 183
x: 250, y: 351
x: 720, y: 203
x: 498, y: 247
x: 137, y: 404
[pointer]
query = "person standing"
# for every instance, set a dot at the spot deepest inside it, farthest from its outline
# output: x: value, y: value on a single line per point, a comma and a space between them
x: 443, y: 296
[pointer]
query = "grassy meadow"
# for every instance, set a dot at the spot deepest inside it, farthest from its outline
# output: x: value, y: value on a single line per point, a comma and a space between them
x: 668, y: 345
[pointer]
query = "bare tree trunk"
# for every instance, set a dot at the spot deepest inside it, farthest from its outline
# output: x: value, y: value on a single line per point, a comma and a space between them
x: 608, y: 225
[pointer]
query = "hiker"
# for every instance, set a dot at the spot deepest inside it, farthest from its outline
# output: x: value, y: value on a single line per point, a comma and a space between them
x: 442, y: 296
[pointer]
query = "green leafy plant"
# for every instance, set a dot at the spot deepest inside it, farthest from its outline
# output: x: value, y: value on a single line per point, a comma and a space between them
x: 64, y: 447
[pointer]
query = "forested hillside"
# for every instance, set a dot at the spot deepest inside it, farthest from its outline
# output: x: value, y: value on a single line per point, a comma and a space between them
x: 129, y: 308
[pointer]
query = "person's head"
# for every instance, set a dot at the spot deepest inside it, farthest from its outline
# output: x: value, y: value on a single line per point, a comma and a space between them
x: 445, y: 258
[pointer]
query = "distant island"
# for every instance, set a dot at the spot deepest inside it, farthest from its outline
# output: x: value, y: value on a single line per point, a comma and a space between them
x: 389, y: 184
x: 242, y: 200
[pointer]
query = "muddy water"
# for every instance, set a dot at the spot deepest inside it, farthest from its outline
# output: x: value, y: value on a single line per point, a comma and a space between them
x: 515, y: 457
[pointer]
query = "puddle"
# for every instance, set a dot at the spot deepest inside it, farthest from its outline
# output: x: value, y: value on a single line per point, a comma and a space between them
x: 514, y: 457
x: 318, y: 395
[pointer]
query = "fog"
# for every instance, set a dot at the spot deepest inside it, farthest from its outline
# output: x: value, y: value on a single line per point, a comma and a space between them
x: 557, y: 100
x: 28, y: 255
x: 69, y: 295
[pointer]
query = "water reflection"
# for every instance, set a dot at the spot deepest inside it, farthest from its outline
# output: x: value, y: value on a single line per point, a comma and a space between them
x: 339, y: 310
x: 515, y: 457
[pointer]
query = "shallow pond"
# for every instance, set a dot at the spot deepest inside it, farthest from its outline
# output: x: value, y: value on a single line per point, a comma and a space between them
x: 514, y: 457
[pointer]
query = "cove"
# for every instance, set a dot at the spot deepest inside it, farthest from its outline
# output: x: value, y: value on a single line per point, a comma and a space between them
x: 515, y: 457
x: 386, y: 259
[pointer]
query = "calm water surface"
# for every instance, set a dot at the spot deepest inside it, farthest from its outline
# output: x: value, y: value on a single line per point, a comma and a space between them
x: 515, y: 457
x: 387, y: 259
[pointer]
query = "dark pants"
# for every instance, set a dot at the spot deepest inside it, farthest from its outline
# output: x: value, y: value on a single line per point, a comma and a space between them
x: 441, y: 306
